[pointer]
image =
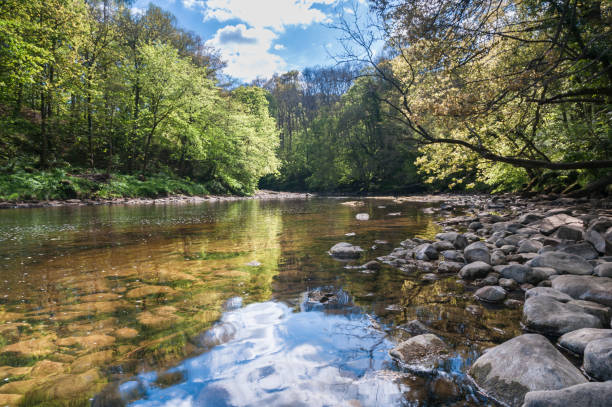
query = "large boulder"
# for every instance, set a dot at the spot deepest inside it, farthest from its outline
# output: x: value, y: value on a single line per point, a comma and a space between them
x: 425, y: 251
x: 526, y: 363
x: 566, y: 232
x: 449, y: 266
x: 420, y: 353
x: 596, y: 239
x: 477, y: 251
x: 576, y: 341
x: 457, y: 239
x: 563, y: 263
x: 587, y: 394
x: 345, y: 250
x: 589, y: 288
x: 598, y: 359
x: 521, y: 274
x: 552, y: 223
x: 491, y: 293
x: 474, y: 270
x: 550, y: 317
x: 549, y: 292
x: 529, y: 246
x: 584, y: 250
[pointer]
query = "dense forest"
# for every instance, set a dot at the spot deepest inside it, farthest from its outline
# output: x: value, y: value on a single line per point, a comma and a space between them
x: 97, y: 101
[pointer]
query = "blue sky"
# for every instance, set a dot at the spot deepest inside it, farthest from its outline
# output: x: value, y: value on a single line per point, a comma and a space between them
x: 260, y: 37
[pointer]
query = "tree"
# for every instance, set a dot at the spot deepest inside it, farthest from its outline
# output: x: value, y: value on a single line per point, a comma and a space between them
x: 526, y: 84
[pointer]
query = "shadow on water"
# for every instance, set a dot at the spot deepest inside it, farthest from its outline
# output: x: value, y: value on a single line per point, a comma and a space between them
x: 226, y: 304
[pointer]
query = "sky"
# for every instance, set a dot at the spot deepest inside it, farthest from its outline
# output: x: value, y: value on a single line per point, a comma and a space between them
x: 258, y: 38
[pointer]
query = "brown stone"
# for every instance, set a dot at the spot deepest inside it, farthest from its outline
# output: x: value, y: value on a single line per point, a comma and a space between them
x: 126, y: 333
x: 150, y: 290
x: 87, y: 342
x: 32, y: 347
x: 46, y: 368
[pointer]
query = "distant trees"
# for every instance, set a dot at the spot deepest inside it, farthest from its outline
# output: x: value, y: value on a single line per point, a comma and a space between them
x: 335, y: 134
x: 90, y: 84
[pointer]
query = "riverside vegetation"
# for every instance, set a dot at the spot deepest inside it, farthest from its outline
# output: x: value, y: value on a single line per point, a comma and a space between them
x: 484, y: 94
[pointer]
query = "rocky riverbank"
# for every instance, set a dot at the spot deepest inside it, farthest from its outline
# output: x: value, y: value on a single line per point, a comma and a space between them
x: 172, y: 200
x: 551, y: 256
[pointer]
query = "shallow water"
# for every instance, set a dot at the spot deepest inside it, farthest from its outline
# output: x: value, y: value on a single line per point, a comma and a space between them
x: 207, y: 305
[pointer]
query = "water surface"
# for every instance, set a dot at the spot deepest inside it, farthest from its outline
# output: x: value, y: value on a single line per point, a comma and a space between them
x: 208, y: 304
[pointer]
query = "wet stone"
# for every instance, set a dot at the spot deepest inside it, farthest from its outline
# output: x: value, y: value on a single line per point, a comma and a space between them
x: 420, y: 353
x: 526, y: 363
x: 548, y: 316
x: 147, y: 290
x: 491, y: 294
x: 475, y: 270
x: 597, y: 357
x: 576, y: 341
x: 587, y: 394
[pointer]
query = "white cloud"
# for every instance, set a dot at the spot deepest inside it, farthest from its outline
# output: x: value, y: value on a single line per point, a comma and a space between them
x: 247, y: 51
x: 247, y: 46
x: 275, y: 14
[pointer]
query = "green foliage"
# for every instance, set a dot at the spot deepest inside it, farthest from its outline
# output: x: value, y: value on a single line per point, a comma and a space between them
x: 57, y: 184
x: 90, y: 85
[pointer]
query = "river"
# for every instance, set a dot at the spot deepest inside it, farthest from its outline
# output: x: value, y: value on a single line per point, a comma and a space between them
x: 216, y: 304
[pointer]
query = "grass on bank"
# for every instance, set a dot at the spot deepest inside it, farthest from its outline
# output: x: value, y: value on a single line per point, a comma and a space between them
x: 58, y: 184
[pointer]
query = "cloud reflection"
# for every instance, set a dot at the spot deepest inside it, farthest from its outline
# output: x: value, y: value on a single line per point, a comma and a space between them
x: 281, y: 357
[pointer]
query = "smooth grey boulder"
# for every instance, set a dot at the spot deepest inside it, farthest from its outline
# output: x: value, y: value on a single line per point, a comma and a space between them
x: 498, y: 257
x: 491, y: 279
x: 552, y: 223
x: 581, y: 395
x: 564, y: 263
x: 576, y: 341
x: 546, y: 271
x: 477, y: 251
x: 596, y: 239
x: 584, y: 250
x: 508, y: 248
x: 474, y: 270
x: 526, y: 363
x: 443, y: 245
x: 475, y: 226
x: 521, y: 274
x: 362, y: 216
x: 421, y: 353
x: 457, y: 239
x: 589, y: 288
x: 453, y: 255
x: 491, y: 293
x: 548, y: 292
x: 603, y: 270
x: 425, y: 251
x: 449, y: 267
x: 566, y: 232
x: 345, y: 250
x: 529, y: 246
x: 550, y: 317
x: 598, y: 359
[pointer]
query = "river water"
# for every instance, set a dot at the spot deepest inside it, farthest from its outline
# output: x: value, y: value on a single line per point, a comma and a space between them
x: 217, y: 304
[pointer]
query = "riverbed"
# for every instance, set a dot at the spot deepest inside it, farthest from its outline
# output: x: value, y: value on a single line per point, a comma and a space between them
x: 219, y: 304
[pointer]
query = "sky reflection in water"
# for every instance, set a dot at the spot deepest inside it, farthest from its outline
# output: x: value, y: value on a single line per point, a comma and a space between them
x: 281, y: 357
